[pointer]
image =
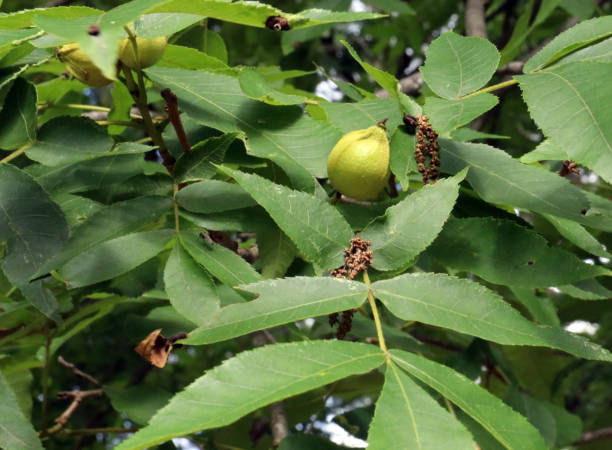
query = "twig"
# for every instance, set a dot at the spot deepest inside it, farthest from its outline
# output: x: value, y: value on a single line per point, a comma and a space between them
x: 77, y: 371
x: 595, y: 435
x: 77, y: 398
x: 43, y: 380
x: 475, y: 19
x: 175, y: 118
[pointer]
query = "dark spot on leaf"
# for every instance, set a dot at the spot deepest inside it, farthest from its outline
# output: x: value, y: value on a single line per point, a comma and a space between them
x: 277, y: 23
x: 93, y: 30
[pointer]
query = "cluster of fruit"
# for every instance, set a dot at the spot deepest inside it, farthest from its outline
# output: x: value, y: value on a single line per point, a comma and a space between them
x: 147, y: 53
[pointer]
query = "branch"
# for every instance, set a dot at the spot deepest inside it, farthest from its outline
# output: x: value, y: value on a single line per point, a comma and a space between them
x: 595, y: 435
x: 78, y: 372
x: 175, y: 118
x: 475, y: 19
x: 77, y: 398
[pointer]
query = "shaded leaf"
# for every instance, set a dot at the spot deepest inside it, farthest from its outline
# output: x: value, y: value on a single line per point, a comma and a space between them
x: 255, y: 86
x: 458, y: 304
x: 114, y: 257
x: 138, y: 402
x: 280, y: 301
x: 506, y: 425
x: 55, y: 145
x: 502, y: 252
x: 251, y: 380
x: 407, y: 417
x: 446, y: 115
x: 25, y: 18
x: 457, y: 65
x: 190, y: 289
x: 35, y: 229
x: 316, y: 228
x: 16, y: 432
x: 276, y: 252
x: 18, y: 116
x: 212, y: 196
x: 581, y: 125
x: 541, y: 308
x: 221, y: 262
x: 498, y: 178
x: 198, y: 163
x: 162, y: 24
x: 410, y: 226
x: 578, y: 235
x: 111, y: 222
x: 401, y: 160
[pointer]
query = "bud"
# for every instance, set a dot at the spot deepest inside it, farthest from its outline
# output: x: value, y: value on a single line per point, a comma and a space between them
x: 81, y: 66
x: 358, y: 165
x: 149, y: 51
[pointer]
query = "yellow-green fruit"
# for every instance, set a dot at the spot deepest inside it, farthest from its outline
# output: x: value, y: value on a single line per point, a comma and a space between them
x: 81, y: 66
x: 358, y: 165
x: 149, y: 51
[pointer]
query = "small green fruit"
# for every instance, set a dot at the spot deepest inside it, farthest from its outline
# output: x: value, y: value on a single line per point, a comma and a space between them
x: 81, y: 66
x: 358, y: 165
x: 149, y: 51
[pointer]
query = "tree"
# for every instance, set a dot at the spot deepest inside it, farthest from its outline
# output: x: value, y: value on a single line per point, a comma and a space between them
x: 180, y: 205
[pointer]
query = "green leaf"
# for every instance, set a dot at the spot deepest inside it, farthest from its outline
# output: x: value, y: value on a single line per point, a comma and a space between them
x: 111, y: 222
x: 276, y: 252
x: 580, y: 35
x: 540, y: 308
x: 213, y: 196
x: 18, y: 117
x: 581, y: 123
x: 255, y: 14
x: 163, y: 24
x: 457, y: 65
x: 280, y: 301
x: 94, y: 173
x: 505, y: 424
x: 198, y: 163
x: 599, y: 52
x: 545, y: 151
x: 502, y: 252
x: 579, y: 8
x: 458, y: 304
x: 77, y: 209
x: 387, y: 81
x: 401, y: 161
x: 498, y: 178
x: 115, y: 257
x: 35, y: 229
x: 251, y: 380
x: 407, y: 417
x: 221, y: 262
x: 255, y: 86
x: 316, y: 228
x: 587, y: 290
x: 578, y: 235
x: 190, y: 289
x: 55, y: 145
x: 25, y: 18
x: 283, y: 134
x: 356, y: 116
x: 16, y: 432
x: 245, y: 219
x: 410, y: 226
x: 189, y: 58
x: 447, y: 115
